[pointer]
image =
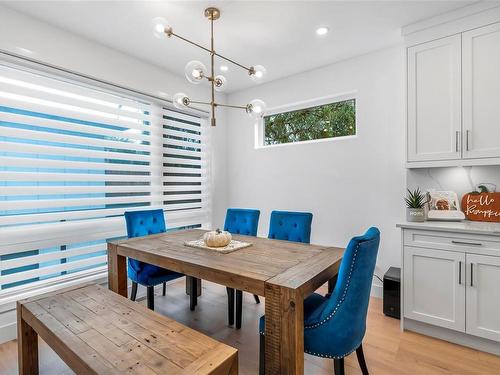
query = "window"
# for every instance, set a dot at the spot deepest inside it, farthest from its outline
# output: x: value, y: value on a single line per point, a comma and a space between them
x: 73, y: 158
x: 332, y: 120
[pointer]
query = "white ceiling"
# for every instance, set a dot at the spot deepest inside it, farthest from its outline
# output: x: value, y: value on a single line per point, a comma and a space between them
x: 277, y: 34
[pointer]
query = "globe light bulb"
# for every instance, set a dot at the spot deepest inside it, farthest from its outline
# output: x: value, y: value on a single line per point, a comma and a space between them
x: 220, y: 83
x: 256, y: 109
x: 181, y: 100
x: 195, y: 71
x: 161, y: 28
x: 257, y: 73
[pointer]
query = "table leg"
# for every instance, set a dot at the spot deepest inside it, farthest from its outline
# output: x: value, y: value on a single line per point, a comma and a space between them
x: 27, y: 346
x: 284, y: 336
x: 117, y: 271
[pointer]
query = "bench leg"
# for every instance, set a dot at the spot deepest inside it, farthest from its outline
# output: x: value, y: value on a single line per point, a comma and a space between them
x: 164, y: 289
x: 27, y: 344
x: 151, y: 297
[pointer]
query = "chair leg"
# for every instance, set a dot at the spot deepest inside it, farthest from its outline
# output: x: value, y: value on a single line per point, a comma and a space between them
x: 256, y: 297
x: 331, y: 284
x: 230, y: 306
x: 133, y: 292
x: 361, y: 359
x: 164, y: 289
x: 193, y: 294
x: 239, y: 308
x: 338, y: 365
x: 151, y: 297
x: 262, y: 354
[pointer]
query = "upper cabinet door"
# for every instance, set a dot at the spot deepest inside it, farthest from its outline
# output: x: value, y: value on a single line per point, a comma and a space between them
x: 481, y: 92
x: 483, y: 296
x: 434, y: 100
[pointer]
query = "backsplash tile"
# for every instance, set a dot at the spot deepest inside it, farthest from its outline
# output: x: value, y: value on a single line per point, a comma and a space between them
x: 458, y: 179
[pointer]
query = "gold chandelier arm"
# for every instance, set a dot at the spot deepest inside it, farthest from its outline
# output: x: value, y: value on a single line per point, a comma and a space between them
x: 197, y: 102
x: 209, y: 51
x: 189, y: 41
x: 231, y: 106
x: 212, y: 55
x: 233, y: 62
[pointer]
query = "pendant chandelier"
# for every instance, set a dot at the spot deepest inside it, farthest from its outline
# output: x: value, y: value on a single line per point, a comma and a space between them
x: 196, y: 72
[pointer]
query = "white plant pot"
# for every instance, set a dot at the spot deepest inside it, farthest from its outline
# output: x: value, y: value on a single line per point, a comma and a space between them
x: 416, y: 215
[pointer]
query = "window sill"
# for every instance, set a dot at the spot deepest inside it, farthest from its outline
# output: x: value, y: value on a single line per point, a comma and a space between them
x: 322, y: 140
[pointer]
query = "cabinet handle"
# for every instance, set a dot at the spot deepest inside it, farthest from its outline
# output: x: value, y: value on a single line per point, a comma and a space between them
x: 457, y: 136
x: 471, y: 274
x: 466, y: 243
x: 460, y: 273
x: 467, y: 140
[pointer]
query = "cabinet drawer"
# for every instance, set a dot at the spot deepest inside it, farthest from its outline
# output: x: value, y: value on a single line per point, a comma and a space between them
x: 461, y: 242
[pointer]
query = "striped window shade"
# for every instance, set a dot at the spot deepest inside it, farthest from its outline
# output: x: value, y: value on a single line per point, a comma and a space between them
x: 73, y: 159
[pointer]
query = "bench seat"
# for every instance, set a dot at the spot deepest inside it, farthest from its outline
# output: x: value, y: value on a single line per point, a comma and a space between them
x: 96, y: 331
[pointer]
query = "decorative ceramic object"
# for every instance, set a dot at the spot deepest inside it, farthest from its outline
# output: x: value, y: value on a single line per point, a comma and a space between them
x: 416, y: 215
x: 217, y: 238
x: 482, y: 206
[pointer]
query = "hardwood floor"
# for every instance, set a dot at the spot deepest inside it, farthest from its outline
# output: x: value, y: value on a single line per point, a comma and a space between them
x: 387, y: 349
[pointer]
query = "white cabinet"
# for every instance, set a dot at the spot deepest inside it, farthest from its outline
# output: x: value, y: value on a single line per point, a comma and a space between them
x: 452, y: 280
x: 453, y: 100
x: 434, y: 287
x: 481, y: 92
x: 434, y: 100
x: 483, y: 296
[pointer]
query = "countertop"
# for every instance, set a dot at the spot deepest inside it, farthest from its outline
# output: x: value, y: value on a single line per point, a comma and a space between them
x: 475, y: 227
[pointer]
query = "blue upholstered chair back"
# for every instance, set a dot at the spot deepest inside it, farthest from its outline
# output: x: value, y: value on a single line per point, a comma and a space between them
x: 242, y: 221
x: 143, y: 223
x: 337, y: 327
x: 290, y: 226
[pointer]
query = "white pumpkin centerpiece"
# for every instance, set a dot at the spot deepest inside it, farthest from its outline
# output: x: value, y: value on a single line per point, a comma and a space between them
x: 217, y: 238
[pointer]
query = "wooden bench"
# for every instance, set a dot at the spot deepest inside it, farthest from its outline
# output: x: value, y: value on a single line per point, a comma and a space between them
x: 96, y: 331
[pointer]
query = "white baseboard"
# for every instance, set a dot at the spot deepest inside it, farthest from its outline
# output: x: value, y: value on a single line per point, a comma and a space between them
x: 459, y: 338
x: 377, y: 291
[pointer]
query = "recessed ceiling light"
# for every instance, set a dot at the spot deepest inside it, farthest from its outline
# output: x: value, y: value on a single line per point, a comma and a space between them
x: 224, y: 68
x: 322, y: 30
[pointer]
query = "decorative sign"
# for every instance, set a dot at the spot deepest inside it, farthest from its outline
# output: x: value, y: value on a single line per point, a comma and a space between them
x: 482, y: 207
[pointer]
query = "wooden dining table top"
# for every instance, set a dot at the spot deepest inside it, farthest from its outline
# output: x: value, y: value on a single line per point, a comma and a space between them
x: 289, y: 264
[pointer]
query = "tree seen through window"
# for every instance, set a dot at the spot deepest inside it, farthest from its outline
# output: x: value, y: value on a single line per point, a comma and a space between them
x: 325, y: 121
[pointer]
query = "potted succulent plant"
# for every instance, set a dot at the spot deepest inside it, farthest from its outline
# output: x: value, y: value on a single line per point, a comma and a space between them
x: 415, y: 201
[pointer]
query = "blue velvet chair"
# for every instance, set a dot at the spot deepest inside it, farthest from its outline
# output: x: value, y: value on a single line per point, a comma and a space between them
x: 290, y: 226
x: 143, y: 223
x: 245, y: 222
x: 334, y: 326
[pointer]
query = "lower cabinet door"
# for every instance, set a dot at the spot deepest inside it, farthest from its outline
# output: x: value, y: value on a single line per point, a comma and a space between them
x: 434, y: 287
x: 483, y: 296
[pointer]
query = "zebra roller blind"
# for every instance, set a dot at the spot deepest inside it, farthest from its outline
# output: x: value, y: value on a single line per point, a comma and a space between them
x: 76, y: 157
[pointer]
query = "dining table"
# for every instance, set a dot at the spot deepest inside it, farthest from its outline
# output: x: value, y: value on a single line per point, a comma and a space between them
x: 283, y: 272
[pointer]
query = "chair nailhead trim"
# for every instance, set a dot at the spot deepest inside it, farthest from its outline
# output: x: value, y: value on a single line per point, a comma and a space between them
x: 343, y: 294
x: 330, y: 356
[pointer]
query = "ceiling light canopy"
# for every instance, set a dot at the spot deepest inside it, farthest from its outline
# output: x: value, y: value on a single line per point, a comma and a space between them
x: 196, y: 72
x: 322, y: 30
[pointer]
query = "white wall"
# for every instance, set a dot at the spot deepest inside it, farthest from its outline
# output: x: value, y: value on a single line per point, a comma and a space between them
x: 349, y: 184
x: 61, y: 48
